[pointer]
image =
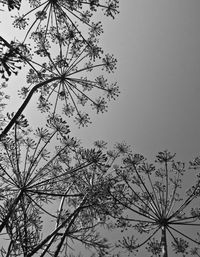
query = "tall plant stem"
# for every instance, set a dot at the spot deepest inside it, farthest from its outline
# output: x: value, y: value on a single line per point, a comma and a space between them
x: 24, y: 104
x: 70, y: 217
x: 164, y: 242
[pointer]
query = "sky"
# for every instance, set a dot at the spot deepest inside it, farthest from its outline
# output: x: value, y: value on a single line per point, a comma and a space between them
x: 157, y: 47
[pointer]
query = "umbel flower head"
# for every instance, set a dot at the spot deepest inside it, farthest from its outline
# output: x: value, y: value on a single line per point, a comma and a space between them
x: 9, y: 60
x: 12, y: 55
x: 34, y: 178
x: 66, y: 58
x: 156, y: 209
x: 75, y: 13
x: 12, y: 4
x: 64, y: 63
x: 78, y: 83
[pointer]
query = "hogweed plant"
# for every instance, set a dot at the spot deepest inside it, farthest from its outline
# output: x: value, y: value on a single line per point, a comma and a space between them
x: 68, y: 81
x: 159, y: 214
x: 64, y: 66
x: 76, y: 16
x: 56, y: 197
x: 52, y: 202
x: 53, y: 195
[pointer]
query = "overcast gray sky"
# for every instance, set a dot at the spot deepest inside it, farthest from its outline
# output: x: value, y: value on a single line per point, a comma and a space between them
x: 157, y: 46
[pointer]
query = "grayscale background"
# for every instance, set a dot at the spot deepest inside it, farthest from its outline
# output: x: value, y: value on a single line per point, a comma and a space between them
x: 157, y: 44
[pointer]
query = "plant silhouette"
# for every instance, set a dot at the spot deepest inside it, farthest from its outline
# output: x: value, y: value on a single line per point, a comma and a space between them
x: 154, y: 206
x: 52, y: 189
x: 57, y: 198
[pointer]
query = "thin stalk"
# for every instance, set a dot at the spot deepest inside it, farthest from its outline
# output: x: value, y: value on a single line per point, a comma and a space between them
x: 39, y: 206
x: 162, y: 199
x: 154, y: 193
x: 25, y: 163
x: 179, y: 232
x: 39, y: 175
x: 172, y: 200
x: 11, y: 210
x: 36, y: 161
x: 9, y: 248
x: 11, y: 181
x: 76, y: 61
x: 56, y: 101
x: 131, y: 209
x: 167, y: 181
x: 185, y: 218
x: 24, y: 104
x: 61, y: 176
x: 185, y: 224
x: 77, y: 16
x: 71, y: 97
x: 154, y: 213
x: 35, y: 8
x: 57, y: 222
x: 18, y: 175
x: 187, y: 201
x: 86, y: 68
x: 71, y: 85
x: 9, y: 154
x: 146, y: 240
x: 57, y: 28
x: 68, y: 18
x: 32, y: 164
x: 100, y: 5
x: 145, y: 188
x: 130, y: 219
x: 53, y: 194
x: 48, y: 19
x: 43, y: 242
x: 65, y: 234
x: 25, y: 227
x: 164, y: 242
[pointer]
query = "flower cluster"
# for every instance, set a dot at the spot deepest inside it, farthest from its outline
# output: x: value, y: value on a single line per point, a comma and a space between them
x: 33, y: 177
x: 9, y: 60
x: 152, y: 200
x: 72, y: 90
x: 58, y: 12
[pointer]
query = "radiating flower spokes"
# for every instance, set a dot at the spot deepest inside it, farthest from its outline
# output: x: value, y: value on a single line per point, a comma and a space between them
x: 150, y: 196
x: 56, y: 12
x: 73, y: 87
x: 68, y: 71
x: 32, y: 177
x: 9, y: 59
